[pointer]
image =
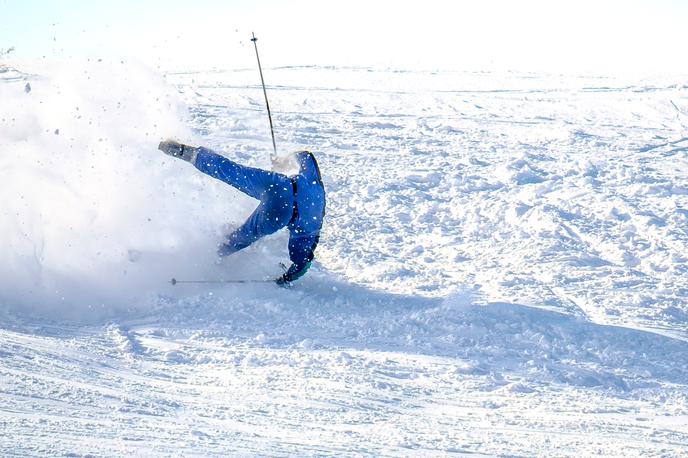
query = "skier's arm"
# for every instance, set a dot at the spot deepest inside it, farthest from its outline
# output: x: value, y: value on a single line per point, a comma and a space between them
x: 301, y: 253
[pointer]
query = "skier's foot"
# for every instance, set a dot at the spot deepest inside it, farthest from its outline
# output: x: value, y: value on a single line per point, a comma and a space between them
x: 175, y: 149
x: 224, y: 250
x: 171, y: 147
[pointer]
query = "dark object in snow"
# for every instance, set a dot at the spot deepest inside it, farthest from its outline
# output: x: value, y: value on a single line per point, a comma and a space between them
x: 296, y: 202
x: 57, y: 131
x: 27, y: 88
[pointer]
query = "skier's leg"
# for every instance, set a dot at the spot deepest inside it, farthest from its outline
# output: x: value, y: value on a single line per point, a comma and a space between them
x: 249, y: 180
x: 243, y: 236
x: 273, y: 213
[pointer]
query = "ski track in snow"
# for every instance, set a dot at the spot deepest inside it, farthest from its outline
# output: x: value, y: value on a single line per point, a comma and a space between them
x: 502, y: 272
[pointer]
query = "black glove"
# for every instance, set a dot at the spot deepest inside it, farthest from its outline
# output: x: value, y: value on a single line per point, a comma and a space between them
x: 176, y: 149
x: 283, y: 282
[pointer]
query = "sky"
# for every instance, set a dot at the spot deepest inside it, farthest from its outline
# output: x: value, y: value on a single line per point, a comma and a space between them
x: 528, y: 35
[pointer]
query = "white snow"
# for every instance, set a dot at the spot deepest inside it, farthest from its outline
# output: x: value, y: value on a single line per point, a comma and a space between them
x: 503, y: 268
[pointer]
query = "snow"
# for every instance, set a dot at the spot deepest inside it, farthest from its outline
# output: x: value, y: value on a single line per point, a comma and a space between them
x: 502, y: 269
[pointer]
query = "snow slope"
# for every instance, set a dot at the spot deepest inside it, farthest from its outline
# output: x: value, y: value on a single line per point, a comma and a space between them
x: 502, y: 270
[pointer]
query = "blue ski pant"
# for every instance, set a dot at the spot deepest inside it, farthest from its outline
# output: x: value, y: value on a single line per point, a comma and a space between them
x: 273, y: 190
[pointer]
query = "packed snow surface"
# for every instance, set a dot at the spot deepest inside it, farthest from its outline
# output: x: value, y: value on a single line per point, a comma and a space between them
x: 503, y: 268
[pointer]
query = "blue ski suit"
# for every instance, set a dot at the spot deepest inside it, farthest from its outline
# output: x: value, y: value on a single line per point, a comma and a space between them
x: 296, y: 202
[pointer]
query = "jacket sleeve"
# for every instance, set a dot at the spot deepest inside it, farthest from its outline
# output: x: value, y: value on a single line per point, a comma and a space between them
x: 301, y: 253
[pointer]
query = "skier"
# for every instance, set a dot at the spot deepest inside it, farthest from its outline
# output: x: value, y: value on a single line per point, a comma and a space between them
x: 296, y: 202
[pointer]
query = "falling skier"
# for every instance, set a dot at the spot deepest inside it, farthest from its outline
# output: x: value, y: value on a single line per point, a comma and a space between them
x: 296, y: 202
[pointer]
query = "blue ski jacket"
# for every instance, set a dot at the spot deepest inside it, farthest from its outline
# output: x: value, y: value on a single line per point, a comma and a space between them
x: 296, y: 202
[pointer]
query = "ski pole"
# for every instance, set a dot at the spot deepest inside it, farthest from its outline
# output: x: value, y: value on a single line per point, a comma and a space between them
x: 265, y: 93
x: 174, y: 281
